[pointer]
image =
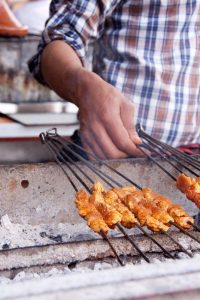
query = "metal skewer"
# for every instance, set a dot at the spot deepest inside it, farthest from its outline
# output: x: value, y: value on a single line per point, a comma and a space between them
x: 156, y: 162
x: 112, y: 247
x: 42, y: 137
x: 177, y: 243
x: 157, y: 243
x: 184, y: 157
x: 133, y: 243
x: 69, y: 142
x: 194, y: 226
x: 185, y: 232
x: 76, y: 189
x: 91, y: 166
x: 166, y: 158
x: 54, y: 139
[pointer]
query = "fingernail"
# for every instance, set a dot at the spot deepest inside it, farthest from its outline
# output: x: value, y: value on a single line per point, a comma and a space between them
x: 136, y: 139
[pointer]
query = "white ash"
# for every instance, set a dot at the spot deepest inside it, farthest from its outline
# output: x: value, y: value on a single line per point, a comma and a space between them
x: 85, y: 267
x: 184, y: 241
x: 20, y: 235
x: 101, y: 266
x: 6, y: 223
x: 20, y: 276
x: 15, y: 235
x: 159, y: 260
x: 4, y: 280
x: 38, y: 209
x: 182, y: 255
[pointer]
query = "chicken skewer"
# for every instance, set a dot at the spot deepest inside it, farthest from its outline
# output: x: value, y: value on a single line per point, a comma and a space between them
x: 190, y: 187
x: 110, y: 199
x: 96, y: 216
x: 151, y: 209
x: 128, y: 219
x: 135, y: 201
x: 176, y: 212
x: 97, y: 223
x: 136, y: 204
x: 158, y: 206
x: 89, y: 212
x: 91, y: 215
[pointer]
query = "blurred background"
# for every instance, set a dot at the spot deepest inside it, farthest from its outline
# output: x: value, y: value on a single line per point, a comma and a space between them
x: 26, y: 107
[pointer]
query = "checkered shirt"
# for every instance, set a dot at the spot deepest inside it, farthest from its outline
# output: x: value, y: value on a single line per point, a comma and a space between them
x: 149, y: 50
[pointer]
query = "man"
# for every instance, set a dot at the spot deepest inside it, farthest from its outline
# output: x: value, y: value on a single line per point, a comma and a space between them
x: 146, y: 69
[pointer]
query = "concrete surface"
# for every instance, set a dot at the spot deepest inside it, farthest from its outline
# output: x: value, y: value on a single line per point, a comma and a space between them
x: 49, y: 196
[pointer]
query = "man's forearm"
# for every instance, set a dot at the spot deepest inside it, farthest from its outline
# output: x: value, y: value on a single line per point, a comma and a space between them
x: 60, y: 68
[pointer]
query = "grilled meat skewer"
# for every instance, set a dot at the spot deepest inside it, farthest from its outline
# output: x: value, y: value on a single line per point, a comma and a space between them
x: 105, y: 209
x: 100, y: 199
x: 190, y: 187
x: 157, y: 206
x: 110, y: 201
x: 175, y: 211
x: 134, y: 200
x: 89, y: 212
x: 128, y: 219
x: 143, y: 213
x: 110, y: 215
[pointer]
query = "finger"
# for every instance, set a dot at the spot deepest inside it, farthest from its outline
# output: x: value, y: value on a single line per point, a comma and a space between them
x: 95, y: 150
x: 119, y: 135
x: 127, y: 116
x: 105, y: 143
x: 144, y: 151
x: 92, y: 147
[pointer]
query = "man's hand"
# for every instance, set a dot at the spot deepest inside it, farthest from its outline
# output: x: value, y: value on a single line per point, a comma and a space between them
x: 106, y: 118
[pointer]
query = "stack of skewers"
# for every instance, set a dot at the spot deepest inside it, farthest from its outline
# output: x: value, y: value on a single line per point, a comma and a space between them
x: 128, y: 206
x: 122, y: 206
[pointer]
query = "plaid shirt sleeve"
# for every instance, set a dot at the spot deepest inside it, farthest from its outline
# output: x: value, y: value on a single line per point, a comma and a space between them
x: 75, y: 22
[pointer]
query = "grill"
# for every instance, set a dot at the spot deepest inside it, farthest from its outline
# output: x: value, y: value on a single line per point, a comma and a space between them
x: 52, y: 234
x: 61, y: 150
